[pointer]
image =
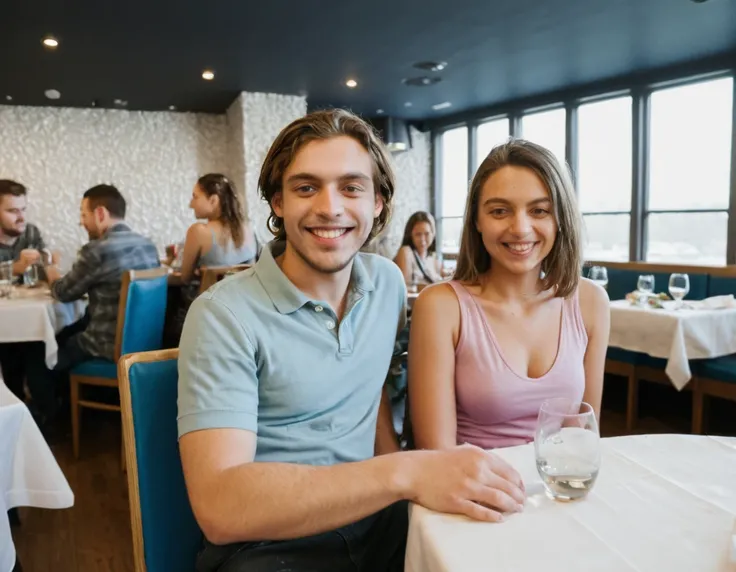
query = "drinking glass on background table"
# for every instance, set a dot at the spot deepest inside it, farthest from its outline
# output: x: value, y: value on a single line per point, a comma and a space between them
x: 645, y: 285
x: 567, y: 448
x: 30, y: 276
x: 6, y: 279
x: 679, y: 287
x: 599, y: 275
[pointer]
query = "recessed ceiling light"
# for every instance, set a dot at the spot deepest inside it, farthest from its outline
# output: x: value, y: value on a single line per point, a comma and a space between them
x: 379, y: 111
x: 52, y: 94
x: 408, y: 104
x: 209, y: 75
x: 443, y: 105
x: 351, y: 83
x: 172, y: 107
x: 9, y: 98
x: 50, y: 42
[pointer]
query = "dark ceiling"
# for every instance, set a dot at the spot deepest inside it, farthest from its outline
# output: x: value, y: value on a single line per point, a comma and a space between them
x: 151, y: 53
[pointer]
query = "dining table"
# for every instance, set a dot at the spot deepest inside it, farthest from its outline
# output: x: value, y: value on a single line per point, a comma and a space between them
x: 676, y: 334
x: 660, y: 502
x: 31, y: 314
x: 29, y: 473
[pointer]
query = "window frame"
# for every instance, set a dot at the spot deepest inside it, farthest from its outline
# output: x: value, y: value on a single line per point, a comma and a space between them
x: 640, y: 88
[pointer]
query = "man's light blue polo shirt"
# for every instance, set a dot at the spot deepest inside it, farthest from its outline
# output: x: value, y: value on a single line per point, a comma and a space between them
x: 257, y: 354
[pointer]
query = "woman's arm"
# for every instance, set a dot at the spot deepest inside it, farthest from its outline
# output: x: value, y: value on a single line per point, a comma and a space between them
x: 596, y: 313
x: 435, y: 324
x: 192, y: 249
x: 404, y: 261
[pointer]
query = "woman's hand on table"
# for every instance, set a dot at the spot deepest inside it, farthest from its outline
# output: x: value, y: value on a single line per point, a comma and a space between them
x: 466, y: 480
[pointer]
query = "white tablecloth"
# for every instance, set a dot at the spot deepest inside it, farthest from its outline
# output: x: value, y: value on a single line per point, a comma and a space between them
x: 29, y: 474
x: 661, y: 503
x: 674, y: 335
x: 32, y: 315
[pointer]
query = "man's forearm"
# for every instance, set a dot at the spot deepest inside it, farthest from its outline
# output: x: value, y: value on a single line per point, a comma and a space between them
x: 276, y: 501
x: 52, y: 274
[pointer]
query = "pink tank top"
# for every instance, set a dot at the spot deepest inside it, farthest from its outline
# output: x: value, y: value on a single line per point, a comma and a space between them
x: 497, y: 407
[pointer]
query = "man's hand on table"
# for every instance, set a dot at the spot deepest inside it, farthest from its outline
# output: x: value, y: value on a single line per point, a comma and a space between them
x: 465, y: 480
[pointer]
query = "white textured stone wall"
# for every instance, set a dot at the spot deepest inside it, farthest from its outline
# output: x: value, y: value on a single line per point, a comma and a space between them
x: 264, y: 116
x: 413, y: 185
x: 153, y: 158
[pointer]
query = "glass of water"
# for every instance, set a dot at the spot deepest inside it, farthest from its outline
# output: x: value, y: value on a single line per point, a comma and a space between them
x: 6, y: 279
x: 567, y: 448
x: 679, y: 287
x: 599, y: 275
x: 30, y: 276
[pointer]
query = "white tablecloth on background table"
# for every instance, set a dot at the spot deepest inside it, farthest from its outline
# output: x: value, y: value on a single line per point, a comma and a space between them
x: 674, y: 335
x: 29, y: 474
x: 661, y: 503
x: 32, y: 315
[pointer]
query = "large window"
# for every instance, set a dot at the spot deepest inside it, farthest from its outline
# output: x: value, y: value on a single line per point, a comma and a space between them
x: 488, y: 135
x: 454, y: 149
x: 652, y: 166
x: 690, y: 170
x: 604, y: 177
x: 546, y: 128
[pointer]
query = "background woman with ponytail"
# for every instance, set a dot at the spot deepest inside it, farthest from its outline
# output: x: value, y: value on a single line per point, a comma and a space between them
x: 224, y: 238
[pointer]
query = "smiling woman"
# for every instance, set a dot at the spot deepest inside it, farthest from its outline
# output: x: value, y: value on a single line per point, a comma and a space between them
x: 517, y: 325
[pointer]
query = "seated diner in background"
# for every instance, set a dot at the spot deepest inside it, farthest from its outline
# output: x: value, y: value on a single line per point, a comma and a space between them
x: 113, y: 248
x: 517, y: 324
x: 22, y: 244
x: 417, y: 257
x: 224, y: 239
x: 285, y: 433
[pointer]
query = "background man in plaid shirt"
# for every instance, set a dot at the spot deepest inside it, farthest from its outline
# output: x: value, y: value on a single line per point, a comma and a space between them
x: 113, y: 248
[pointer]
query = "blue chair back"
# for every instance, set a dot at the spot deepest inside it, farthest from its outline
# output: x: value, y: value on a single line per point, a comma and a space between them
x: 165, y: 534
x: 145, y: 311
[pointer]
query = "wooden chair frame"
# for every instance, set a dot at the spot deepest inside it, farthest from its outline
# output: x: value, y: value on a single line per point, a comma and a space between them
x: 211, y: 275
x: 75, y: 381
x: 129, y: 451
x: 703, y: 388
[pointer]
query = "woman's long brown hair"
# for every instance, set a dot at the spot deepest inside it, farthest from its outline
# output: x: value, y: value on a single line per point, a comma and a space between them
x: 231, y: 209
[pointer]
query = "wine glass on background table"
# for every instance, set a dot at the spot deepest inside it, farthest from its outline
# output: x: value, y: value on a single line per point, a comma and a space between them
x: 645, y: 286
x: 679, y: 287
x: 567, y: 448
x: 599, y: 275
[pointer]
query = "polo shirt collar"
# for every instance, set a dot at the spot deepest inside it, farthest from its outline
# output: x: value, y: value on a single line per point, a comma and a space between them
x: 285, y: 296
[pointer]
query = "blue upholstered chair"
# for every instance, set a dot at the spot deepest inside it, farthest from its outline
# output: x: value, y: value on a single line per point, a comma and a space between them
x: 140, y: 326
x: 165, y: 534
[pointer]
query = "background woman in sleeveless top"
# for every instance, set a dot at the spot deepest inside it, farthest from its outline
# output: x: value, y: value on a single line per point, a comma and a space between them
x: 518, y: 324
x: 417, y: 256
x: 224, y: 239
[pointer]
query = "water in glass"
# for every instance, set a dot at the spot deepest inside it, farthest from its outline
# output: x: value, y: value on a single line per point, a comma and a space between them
x: 567, y: 448
x: 30, y: 276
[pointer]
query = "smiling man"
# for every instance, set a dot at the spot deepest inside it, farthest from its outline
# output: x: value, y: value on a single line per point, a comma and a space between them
x: 286, y: 436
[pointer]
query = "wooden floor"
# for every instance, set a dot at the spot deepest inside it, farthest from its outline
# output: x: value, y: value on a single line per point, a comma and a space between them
x: 94, y: 535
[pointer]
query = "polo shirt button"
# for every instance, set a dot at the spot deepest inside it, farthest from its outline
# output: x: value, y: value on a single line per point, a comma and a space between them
x: 330, y: 324
x: 318, y: 308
